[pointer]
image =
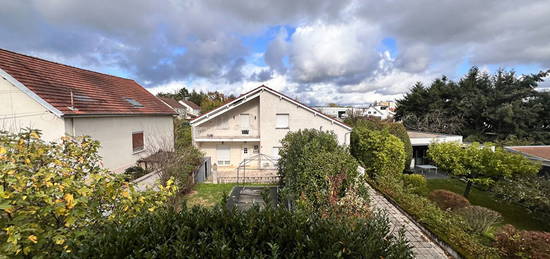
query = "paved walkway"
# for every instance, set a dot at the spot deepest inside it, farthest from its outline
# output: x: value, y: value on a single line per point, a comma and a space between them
x: 423, y: 247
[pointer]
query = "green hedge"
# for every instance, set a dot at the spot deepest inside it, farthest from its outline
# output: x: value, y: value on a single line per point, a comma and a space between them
x: 254, y: 233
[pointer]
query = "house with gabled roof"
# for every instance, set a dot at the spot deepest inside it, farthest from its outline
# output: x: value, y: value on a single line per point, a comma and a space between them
x: 175, y: 105
x: 193, y: 110
x: 255, y: 123
x: 62, y: 100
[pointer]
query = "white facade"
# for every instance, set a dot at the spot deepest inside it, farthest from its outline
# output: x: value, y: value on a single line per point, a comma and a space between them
x: 189, y: 109
x: 19, y: 110
x: 256, y: 123
x: 382, y: 112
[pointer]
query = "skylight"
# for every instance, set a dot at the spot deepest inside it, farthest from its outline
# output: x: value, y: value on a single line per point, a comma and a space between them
x: 134, y: 102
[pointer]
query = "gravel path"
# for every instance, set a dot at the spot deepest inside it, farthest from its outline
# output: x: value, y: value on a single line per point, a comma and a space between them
x: 423, y: 247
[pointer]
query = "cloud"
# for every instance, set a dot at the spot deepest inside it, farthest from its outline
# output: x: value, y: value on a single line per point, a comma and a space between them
x: 335, y: 53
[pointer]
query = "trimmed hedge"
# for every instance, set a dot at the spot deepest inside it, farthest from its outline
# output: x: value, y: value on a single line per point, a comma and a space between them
x: 448, y: 200
x: 254, y: 233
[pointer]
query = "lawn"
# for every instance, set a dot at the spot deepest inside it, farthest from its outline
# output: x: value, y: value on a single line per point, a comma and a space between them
x: 511, y: 213
x: 209, y: 194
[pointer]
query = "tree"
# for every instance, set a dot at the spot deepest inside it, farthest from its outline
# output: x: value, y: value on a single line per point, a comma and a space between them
x: 479, y: 164
x: 379, y: 152
x: 480, y: 106
x: 52, y: 193
x: 394, y: 128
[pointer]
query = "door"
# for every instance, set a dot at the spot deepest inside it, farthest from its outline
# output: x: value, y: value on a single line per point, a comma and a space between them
x: 245, y: 151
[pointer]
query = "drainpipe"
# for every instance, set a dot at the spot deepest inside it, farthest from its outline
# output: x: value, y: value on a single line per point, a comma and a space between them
x: 345, y: 138
x: 73, y: 128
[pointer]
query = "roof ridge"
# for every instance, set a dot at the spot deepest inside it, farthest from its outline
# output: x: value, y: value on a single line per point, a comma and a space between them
x: 58, y: 63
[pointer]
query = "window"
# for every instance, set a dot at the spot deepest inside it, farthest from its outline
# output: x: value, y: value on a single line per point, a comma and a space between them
x: 134, y: 103
x: 245, y: 150
x: 256, y: 149
x: 137, y: 141
x: 282, y: 121
x: 245, y: 121
x: 224, y: 154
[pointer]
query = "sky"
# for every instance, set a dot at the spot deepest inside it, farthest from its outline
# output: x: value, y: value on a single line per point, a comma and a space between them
x: 350, y: 52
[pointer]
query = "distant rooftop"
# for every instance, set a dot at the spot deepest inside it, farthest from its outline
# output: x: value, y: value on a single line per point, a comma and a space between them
x: 421, y: 134
x: 541, y: 152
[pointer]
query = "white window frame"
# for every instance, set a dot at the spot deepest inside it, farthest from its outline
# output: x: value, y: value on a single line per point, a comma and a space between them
x: 278, y: 124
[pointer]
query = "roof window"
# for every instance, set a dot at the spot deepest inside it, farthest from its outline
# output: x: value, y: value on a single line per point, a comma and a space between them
x: 134, y: 102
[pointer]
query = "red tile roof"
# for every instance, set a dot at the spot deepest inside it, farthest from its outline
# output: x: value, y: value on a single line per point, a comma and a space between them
x: 93, y: 93
x: 172, y: 102
x: 191, y: 104
x: 537, y: 151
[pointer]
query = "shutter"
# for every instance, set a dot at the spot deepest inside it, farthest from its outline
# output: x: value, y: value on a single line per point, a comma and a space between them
x: 137, y: 141
x: 245, y: 121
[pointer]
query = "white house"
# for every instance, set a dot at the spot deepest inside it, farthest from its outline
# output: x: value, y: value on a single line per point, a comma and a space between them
x: 176, y: 106
x: 255, y: 123
x: 382, y: 112
x: 420, y: 142
x: 62, y: 100
x: 192, y: 109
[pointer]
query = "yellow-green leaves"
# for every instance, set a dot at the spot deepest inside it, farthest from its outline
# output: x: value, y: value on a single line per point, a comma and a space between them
x: 50, y: 193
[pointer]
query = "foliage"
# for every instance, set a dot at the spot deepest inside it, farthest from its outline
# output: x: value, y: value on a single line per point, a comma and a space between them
x: 379, y: 152
x: 179, y: 165
x: 490, y: 107
x: 315, y: 169
x: 479, y: 219
x: 52, y: 193
x: 444, y: 224
x: 479, y: 164
x: 134, y: 172
x: 253, y: 233
x: 415, y: 183
x: 532, y: 192
x: 394, y: 128
x: 207, y: 101
x: 513, y: 243
x: 182, y: 134
x: 448, y: 200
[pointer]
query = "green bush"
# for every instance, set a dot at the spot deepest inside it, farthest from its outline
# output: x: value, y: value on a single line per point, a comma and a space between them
x: 415, y: 183
x: 513, y: 243
x: 52, y: 193
x: 254, y: 233
x: 134, y: 172
x: 479, y: 219
x: 394, y: 128
x: 448, y: 200
x: 380, y: 153
x: 532, y: 192
x: 447, y: 226
x: 179, y: 165
x: 314, y: 168
x: 182, y: 134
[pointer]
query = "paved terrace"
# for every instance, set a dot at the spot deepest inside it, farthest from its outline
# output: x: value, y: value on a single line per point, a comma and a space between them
x: 423, y: 247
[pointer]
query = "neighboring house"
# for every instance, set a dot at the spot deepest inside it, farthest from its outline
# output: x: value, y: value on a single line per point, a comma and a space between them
x: 421, y: 140
x: 176, y: 106
x: 255, y: 123
x: 382, y: 112
x: 539, y: 154
x: 340, y: 112
x: 62, y: 100
x: 192, y: 109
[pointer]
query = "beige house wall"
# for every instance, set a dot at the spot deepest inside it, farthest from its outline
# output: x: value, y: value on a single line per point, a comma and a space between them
x: 18, y: 111
x: 263, y: 111
x: 115, y: 136
x: 299, y: 118
x: 233, y: 122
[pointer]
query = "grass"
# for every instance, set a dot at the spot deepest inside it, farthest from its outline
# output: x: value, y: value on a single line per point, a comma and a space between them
x: 210, y: 194
x: 511, y: 213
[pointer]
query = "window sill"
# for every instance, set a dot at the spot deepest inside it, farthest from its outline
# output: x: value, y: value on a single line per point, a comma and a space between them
x: 283, y: 128
x: 135, y: 152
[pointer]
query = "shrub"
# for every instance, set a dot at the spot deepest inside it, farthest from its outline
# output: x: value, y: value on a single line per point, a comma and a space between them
x: 315, y: 169
x: 415, y: 183
x: 479, y: 219
x: 179, y: 165
x: 182, y: 134
x: 254, y: 233
x: 447, y: 226
x: 52, y: 193
x: 380, y: 153
x: 513, y: 243
x: 134, y: 172
x: 394, y: 128
x: 448, y: 200
x: 532, y: 192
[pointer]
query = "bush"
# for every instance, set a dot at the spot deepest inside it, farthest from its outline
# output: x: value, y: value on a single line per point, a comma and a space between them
x: 380, y: 153
x: 394, y: 128
x: 315, y: 169
x: 531, y: 192
x: 52, y: 193
x: 254, y: 233
x: 448, y: 200
x: 415, y: 183
x: 134, y: 172
x: 182, y: 134
x: 513, y: 243
x: 179, y: 165
x: 447, y: 226
x: 479, y: 219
